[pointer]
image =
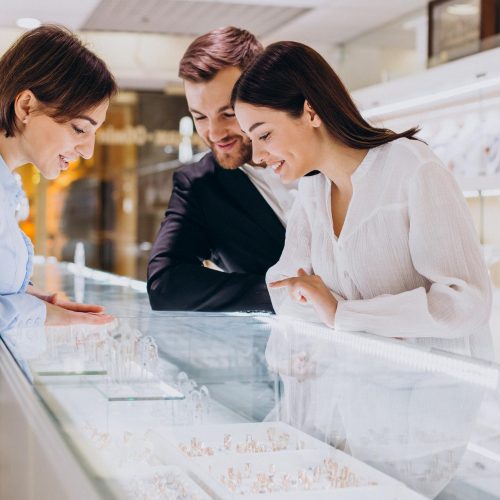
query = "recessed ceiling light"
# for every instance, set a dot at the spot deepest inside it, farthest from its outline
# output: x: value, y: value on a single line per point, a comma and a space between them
x: 28, y: 23
x: 463, y: 9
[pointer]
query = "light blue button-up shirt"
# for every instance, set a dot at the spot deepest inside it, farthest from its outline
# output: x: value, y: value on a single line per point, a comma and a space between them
x: 18, y: 309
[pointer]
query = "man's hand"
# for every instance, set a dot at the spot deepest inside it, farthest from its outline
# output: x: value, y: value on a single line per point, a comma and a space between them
x: 310, y: 288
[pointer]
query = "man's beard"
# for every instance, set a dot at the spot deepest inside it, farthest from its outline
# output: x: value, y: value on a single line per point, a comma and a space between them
x: 241, y: 153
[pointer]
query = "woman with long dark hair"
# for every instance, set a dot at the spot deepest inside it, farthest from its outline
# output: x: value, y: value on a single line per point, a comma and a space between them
x: 381, y: 239
x: 54, y: 94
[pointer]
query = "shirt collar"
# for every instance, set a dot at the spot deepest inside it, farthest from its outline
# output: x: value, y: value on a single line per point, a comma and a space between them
x: 264, y: 172
x: 9, y: 183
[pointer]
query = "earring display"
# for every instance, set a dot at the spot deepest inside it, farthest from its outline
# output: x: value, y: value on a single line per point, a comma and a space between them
x: 128, y: 359
x: 268, y: 458
x: 248, y: 438
x: 131, y: 458
x: 73, y: 350
x: 131, y: 356
x: 197, y: 404
x: 162, y: 483
x: 132, y: 367
x: 121, y: 449
x: 257, y: 479
x: 100, y: 439
x: 297, y: 474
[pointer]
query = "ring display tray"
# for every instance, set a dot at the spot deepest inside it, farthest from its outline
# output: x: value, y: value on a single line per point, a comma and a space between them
x: 158, y: 482
x: 273, y: 459
x: 265, y: 437
x: 297, y: 475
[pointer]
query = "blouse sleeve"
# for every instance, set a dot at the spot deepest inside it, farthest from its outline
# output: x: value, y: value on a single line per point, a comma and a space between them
x: 17, y: 310
x: 444, y: 249
x: 21, y: 310
x: 296, y: 254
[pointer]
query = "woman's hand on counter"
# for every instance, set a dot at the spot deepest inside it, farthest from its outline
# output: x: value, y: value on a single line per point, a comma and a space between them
x: 55, y: 298
x: 76, y: 314
x: 310, y: 288
x: 41, y: 294
x: 76, y: 306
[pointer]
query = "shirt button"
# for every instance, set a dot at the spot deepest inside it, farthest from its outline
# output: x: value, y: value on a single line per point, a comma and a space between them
x: 29, y: 323
x: 346, y: 275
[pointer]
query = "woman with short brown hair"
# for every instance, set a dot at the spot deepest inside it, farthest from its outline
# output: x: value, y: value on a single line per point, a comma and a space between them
x: 54, y: 94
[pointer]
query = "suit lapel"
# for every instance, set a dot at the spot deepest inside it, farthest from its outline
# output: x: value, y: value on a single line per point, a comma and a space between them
x: 241, y: 190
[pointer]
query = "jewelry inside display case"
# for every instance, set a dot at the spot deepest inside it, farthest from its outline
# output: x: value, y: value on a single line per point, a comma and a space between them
x: 196, y: 406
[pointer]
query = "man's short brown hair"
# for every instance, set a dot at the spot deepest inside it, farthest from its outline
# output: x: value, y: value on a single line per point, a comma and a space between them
x: 220, y: 48
x: 65, y: 77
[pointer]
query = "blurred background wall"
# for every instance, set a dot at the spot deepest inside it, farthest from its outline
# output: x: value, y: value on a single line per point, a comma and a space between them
x: 409, y: 62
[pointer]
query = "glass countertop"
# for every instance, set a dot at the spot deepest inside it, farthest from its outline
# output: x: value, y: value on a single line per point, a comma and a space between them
x: 204, y: 405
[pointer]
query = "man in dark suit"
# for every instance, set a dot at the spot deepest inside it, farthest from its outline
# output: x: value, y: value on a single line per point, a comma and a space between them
x: 222, y: 209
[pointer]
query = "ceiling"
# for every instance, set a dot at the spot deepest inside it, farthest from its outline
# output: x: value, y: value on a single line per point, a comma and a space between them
x: 193, y: 17
x: 310, y: 21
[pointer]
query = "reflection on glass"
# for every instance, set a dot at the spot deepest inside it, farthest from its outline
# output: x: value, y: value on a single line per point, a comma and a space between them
x: 410, y: 417
x: 268, y: 406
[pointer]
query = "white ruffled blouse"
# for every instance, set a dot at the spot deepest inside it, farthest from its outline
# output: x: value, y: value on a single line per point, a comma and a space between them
x: 408, y: 261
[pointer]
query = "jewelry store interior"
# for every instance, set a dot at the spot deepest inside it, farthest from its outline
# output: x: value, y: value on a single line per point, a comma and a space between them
x: 197, y: 405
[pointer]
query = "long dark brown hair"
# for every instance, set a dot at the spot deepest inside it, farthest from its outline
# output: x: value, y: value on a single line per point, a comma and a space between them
x: 65, y: 77
x: 287, y: 74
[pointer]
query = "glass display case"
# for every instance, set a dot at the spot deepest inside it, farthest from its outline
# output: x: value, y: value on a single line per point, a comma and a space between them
x: 198, y: 405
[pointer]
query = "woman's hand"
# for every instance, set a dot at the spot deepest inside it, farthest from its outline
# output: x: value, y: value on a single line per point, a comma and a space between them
x: 75, y: 314
x: 311, y: 288
x: 41, y: 294
x: 53, y: 298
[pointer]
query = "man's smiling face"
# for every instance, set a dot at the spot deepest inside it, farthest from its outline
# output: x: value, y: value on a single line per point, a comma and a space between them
x: 214, y: 118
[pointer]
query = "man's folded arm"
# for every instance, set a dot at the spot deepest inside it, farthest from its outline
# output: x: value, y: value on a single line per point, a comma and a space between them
x: 177, y: 279
x: 186, y: 286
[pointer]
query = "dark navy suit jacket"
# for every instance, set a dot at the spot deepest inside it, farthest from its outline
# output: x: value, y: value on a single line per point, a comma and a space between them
x: 219, y: 215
